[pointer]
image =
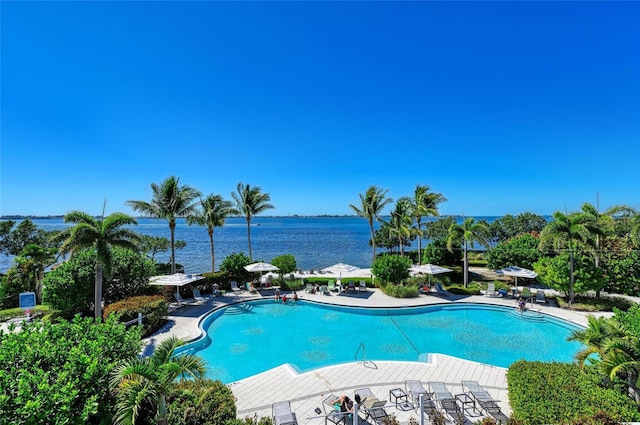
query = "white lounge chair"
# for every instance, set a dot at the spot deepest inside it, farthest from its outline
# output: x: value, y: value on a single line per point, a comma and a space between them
x: 181, y: 301
x: 198, y: 297
x: 362, y: 286
x: 446, y: 400
x: 414, y: 388
x: 491, y: 290
x: 235, y: 288
x: 282, y: 414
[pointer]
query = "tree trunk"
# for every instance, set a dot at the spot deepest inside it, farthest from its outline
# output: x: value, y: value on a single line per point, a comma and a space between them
x: 419, y: 242
x: 249, y: 237
x: 162, y: 411
x: 213, y: 259
x: 172, y: 228
x: 98, y: 292
x: 571, y: 278
x: 373, y: 242
x: 465, y: 265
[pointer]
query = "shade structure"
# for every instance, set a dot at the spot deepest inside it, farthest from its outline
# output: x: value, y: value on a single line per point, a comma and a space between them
x: 176, y: 279
x: 429, y: 269
x: 517, y: 272
x: 260, y: 267
x: 340, y: 268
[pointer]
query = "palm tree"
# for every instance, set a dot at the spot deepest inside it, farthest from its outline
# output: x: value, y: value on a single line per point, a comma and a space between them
x: 564, y: 231
x: 212, y: 213
x: 170, y: 201
x: 401, y: 221
x: 468, y: 232
x: 144, y: 381
x: 251, y: 202
x: 102, y: 235
x: 424, y: 204
x: 371, y: 205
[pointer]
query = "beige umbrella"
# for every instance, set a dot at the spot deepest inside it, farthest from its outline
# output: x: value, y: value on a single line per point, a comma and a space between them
x: 177, y: 280
x: 429, y: 269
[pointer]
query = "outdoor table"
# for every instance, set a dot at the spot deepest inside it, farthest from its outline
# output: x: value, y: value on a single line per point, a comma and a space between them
x: 400, y: 398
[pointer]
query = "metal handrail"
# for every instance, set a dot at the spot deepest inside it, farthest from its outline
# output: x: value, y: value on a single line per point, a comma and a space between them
x: 364, y: 353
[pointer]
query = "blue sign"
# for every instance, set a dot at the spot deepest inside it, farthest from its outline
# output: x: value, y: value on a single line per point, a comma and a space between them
x: 27, y: 300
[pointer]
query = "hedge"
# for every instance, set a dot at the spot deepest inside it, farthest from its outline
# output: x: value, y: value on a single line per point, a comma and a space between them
x: 558, y: 393
x: 153, y: 307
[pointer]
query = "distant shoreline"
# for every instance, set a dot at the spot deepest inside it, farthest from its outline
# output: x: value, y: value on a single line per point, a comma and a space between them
x: 59, y: 217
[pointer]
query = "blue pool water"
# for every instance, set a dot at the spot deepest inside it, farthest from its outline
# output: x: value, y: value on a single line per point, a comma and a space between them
x: 249, y: 338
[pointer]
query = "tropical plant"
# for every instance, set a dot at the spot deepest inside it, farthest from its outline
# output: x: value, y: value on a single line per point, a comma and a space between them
x: 424, y: 204
x: 400, y: 222
x: 469, y: 232
x: 286, y: 263
x: 142, y: 381
x: 101, y: 234
x: 234, y: 264
x: 564, y: 232
x: 203, y: 402
x: 509, y: 226
x: 439, y: 229
x: 58, y: 373
x: 391, y: 268
x: 30, y: 265
x: 372, y: 202
x: 169, y: 201
x: 250, y: 201
x: 521, y: 251
x: 555, y: 272
x: 436, y: 252
x: 212, y: 212
x: 14, y: 241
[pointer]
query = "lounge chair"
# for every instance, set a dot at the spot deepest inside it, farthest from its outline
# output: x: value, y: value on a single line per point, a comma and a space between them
x: 446, y: 400
x: 351, y: 286
x: 333, y: 415
x: 440, y: 290
x: 198, y: 297
x: 362, y: 286
x: 181, y: 301
x: 309, y: 289
x: 371, y: 406
x: 325, y: 290
x: 414, y: 388
x: 491, y: 290
x: 332, y: 286
x: 235, y: 288
x: 282, y: 414
x: 484, y: 400
x: 540, y: 297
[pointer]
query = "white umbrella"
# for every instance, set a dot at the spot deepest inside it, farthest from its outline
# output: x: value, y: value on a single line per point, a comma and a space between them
x: 430, y: 269
x: 339, y: 268
x: 260, y: 267
x: 517, y: 272
x: 177, y: 279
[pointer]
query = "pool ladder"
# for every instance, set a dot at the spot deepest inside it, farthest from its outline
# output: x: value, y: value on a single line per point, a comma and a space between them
x: 364, y: 353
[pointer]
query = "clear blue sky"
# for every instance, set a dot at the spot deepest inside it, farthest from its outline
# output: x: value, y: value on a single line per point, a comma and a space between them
x: 503, y: 107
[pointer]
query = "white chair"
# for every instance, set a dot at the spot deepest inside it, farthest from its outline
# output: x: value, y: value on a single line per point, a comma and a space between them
x: 198, y: 297
x: 491, y: 289
x: 235, y: 288
x: 362, y: 286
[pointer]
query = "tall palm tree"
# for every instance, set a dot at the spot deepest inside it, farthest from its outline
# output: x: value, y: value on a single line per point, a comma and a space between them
x: 170, y: 201
x: 563, y: 232
x: 101, y: 234
x: 401, y: 221
x: 213, y: 211
x: 250, y: 201
x: 469, y: 232
x: 371, y: 205
x: 144, y: 381
x: 424, y: 204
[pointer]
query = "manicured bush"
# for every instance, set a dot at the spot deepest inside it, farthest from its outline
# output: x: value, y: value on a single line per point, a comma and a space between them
x: 154, y: 308
x: 286, y: 263
x: 400, y: 291
x: 557, y: 393
x: 391, y: 268
x: 474, y: 288
x: 12, y: 313
x: 587, y: 303
x: 58, y: 373
x: 200, y: 402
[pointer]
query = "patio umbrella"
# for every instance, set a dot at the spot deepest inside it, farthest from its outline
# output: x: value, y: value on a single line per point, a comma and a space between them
x: 339, y: 268
x: 429, y: 269
x: 517, y: 272
x: 260, y: 267
x: 177, y: 279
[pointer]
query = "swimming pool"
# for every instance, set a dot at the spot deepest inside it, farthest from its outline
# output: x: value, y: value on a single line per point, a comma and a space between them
x: 249, y: 338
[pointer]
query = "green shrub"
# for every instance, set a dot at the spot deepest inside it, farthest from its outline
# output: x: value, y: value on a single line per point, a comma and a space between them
x: 58, y: 373
x: 474, y: 288
x: 12, y: 313
x: 555, y: 393
x: 400, y: 291
x: 391, y: 268
x: 286, y: 263
x: 588, y: 303
x: 292, y: 285
x: 153, y: 307
x: 201, y: 402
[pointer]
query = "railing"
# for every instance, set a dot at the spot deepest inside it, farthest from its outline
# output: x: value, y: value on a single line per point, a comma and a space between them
x: 364, y: 353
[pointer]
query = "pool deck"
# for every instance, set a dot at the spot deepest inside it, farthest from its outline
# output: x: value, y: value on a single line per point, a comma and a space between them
x: 306, y: 391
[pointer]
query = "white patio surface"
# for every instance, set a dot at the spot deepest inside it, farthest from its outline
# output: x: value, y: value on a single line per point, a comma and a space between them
x: 307, y: 390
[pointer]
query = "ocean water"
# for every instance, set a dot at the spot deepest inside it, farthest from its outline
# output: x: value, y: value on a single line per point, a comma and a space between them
x: 316, y: 242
